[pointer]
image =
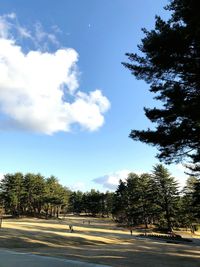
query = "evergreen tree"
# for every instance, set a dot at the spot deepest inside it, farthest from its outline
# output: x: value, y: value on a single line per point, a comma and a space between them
x: 108, y: 204
x: 12, y: 189
x: 134, y: 209
x: 170, y: 63
x: 34, y: 185
x: 120, y: 203
x: 32, y: 194
x: 186, y: 205
x: 133, y: 200
x: 166, y: 195
x: 94, y: 202
x: 196, y: 200
x: 148, y: 207
x: 76, y: 202
x: 56, y: 197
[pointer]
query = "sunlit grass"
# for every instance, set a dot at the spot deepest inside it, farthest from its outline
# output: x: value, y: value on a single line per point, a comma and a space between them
x: 94, y: 239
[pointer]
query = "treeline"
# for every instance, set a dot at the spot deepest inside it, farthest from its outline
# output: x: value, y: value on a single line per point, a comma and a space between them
x: 32, y: 194
x: 91, y: 203
x: 155, y: 199
x: 145, y: 199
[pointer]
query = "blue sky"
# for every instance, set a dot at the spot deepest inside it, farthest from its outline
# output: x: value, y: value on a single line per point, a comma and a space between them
x: 67, y: 105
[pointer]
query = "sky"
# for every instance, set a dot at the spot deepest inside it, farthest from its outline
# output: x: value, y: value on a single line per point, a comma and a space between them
x: 67, y: 105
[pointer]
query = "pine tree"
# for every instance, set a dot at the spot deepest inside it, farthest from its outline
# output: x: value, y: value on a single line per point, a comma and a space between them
x: 170, y: 63
x: 12, y: 190
x: 166, y: 194
x: 186, y: 204
x: 120, y: 203
x: 140, y: 202
x: 196, y: 200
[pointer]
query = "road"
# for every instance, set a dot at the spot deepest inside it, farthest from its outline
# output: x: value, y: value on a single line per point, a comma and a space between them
x: 16, y: 259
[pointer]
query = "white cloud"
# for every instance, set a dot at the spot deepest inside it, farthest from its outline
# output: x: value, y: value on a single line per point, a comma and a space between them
x: 111, y: 181
x: 39, y: 90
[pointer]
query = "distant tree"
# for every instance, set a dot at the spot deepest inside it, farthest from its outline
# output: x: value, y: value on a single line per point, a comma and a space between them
x: 94, y: 202
x: 146, y: 204
x: 170, y: 62
x: 196, y: 200
x: 187, y: 207
x: 76, y: 202
x: 12, y: 189
x: 33, y: 194
x: 133, y: 201
x: 141, y: 198
x: 120, y: 203
x: 55, y: 197
x: 108, y: 203
x: 165, y: 194
x: 34, y: 185
x: 66, y: 192
x: 134, y: 209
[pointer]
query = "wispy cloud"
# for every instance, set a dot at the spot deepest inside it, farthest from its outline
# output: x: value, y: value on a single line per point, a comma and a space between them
x: 39, y: 89
x: 56, y: 29
x: 6, y: 24
x: 11, y: 28
x: 43, y: 37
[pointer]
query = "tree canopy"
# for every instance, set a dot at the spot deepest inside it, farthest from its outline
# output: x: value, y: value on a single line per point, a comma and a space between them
x: 32, y: 194
x: 169, y: 60
x: 147, y: 199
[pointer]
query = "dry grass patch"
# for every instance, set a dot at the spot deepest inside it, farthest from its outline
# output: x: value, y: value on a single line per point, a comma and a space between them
x: 94, y: 240
x: 33, y: 232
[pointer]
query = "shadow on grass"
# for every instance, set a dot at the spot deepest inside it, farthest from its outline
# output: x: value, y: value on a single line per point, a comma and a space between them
x: 84, y: 231
x: 15, y: 238
x: 138, y: 253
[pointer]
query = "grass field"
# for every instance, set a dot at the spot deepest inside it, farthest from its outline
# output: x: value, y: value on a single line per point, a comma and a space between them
x: 96, y: 240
